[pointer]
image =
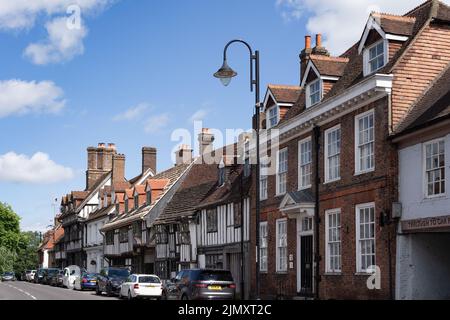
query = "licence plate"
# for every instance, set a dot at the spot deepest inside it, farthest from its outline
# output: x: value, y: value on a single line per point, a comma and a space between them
x: 93, y: 281
x: 215, y: 288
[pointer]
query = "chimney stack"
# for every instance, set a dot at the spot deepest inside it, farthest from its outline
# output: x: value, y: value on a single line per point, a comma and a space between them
x: 99, y: 162
x: 304, y: 56
x: 318, y: 49
x: 183, y: 155
x: 205, y: 140
x: 118, y: 168
x: 149, y: 159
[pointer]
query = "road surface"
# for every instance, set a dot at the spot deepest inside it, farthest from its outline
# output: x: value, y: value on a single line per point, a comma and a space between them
x: 20, y: 290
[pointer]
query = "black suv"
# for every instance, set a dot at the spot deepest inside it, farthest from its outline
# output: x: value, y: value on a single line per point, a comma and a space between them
x: 110, y: 279
x: 39, y: 276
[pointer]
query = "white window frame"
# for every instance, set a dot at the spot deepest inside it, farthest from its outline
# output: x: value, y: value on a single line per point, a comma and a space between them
x: 358, y: 235
x: 304, y: 165
x: 281, y: 268
x: 308, y: 95
x: 327, y: 156
x: 366, y: 56
x: 285, y: 173
x: 264, y: 178
x: 263, y: 246
x: 269, y: 117
x: 329, y: 213
x: 425, y: 171
x: 358, y: 170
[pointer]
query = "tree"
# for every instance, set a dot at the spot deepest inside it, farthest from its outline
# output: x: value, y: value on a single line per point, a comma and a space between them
x: 27, y: 256
x: 10, y: 236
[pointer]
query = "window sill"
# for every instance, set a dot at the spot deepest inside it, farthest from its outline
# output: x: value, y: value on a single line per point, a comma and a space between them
x: 333, y: 273
x: 331, y: 181
x: 304, y: 188
x: 280, y: 195
x: 363, y: 274
x: 364, y: 172
x: 281, y: 272
x: 436, y: 196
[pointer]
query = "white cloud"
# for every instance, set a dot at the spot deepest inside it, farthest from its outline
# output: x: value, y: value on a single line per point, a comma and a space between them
x: 62, y: 44
x: 37, y: 169
x: 199, y: 115
x: 132, y: 113
x: 340, y: 21
x: 156, y: 123
x: 21, y: 97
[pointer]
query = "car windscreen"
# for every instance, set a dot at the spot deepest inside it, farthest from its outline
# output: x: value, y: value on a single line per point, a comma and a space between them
x: 149, y: 279
x: 121, y: 273
x: 8, y: 274
x: 215, y: 275
x: 53, y: 271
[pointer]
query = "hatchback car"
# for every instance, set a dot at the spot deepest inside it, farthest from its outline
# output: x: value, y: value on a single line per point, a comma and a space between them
x: 87, y: 281
x: 8, y: 276
x: 30, y: 275
x: 141, y: 286
x: 201, y: 284
x: 48, y: 275
x: 57, y: 279
x: 39, y: 276
x: 110, y: 280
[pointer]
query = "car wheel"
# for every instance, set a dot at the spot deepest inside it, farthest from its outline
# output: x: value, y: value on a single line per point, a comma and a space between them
x: 184, y: 297
x: 108, y: 291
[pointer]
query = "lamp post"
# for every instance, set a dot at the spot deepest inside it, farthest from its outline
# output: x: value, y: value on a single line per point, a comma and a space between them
x: 225, y: 74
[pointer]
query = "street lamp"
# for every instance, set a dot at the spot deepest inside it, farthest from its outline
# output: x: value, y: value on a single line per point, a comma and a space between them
x: 225, y: 74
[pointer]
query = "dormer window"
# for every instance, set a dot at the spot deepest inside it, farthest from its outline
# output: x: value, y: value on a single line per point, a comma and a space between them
x: 136, y: 201
x: 314, y: 92
x: 376, y: 56
x: 148, y: 196
x: 126, y: 205
x: 272, y: 118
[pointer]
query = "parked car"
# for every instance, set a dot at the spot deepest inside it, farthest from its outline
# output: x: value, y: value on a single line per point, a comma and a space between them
x: 8, y: 276
x: 201, y: 284
x: 86, y: 281
x: 48, y: 275
x: 39, y: 276
x: 70, y: 275
x: 30, y: 275
x: 110, y: 279
x: 141, y: 286
x: 56, y: 278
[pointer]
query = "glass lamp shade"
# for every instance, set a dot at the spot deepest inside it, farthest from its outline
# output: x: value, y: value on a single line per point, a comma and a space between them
x: 225, y: 74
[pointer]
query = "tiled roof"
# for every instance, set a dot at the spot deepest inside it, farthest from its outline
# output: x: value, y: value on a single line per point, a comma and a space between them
x: 434, y: 104
x: 199, y: 181
x: 329, y: 66
x: 100, y: 213
x: 284, y: 93
x: 172, y: 175
x: 393, y: 24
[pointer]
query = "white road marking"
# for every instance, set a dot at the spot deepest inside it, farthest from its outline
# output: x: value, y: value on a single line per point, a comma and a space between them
x: 24, y: 292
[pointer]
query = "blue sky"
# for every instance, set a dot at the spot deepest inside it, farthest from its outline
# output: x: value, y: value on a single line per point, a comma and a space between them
x: 149, y: 63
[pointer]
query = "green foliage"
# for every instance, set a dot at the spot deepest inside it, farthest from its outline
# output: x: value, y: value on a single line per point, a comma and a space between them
x: 18, y: 250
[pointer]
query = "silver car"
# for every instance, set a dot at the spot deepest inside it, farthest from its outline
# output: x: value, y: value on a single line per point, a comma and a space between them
x: 8, y: 276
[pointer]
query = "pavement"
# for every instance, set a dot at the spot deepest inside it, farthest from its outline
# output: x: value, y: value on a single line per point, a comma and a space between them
x: 20, y: 290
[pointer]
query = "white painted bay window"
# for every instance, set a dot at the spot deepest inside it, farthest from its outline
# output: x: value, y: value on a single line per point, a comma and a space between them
x: 365, y: 237
x: 365, y: 142
x: 281, y: 249
x: 305, y: 159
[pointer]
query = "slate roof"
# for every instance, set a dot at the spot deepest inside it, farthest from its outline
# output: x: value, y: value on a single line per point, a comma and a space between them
x: 302, y: 196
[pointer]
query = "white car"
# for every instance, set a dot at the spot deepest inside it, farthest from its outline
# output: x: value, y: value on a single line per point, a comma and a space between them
x: 30, y: 275
x: 70, y: 275
x: 141, y: 286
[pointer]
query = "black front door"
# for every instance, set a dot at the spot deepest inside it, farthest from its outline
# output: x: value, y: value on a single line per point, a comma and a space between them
x: 306, y: 264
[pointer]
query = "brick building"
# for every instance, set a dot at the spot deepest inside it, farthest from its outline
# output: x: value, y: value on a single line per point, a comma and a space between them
x: 326, y: 222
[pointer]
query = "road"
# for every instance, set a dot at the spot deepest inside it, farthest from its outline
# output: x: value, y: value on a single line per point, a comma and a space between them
x: 19, y: 290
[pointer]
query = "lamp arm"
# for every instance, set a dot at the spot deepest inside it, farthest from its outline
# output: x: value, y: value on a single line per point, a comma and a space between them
x: 252, y: 58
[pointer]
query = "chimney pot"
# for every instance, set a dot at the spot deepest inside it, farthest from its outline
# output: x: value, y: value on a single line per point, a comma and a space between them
x: 205, y: 139
x: 318, y: 40
x: 101, y: 145
x: 307, y: 42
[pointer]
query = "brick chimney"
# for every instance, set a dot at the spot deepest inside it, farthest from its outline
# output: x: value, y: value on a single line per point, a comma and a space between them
x: 205, y: 140
x: 183, y: 155
x: 99, y: 162
x: 319, y: 49
x: 118, y: 168
x: 149, y: 159
x: 304, y: 56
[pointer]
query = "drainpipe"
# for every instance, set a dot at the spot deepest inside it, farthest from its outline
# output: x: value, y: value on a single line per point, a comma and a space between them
x: 316, y: 132
x: 242, y: 237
